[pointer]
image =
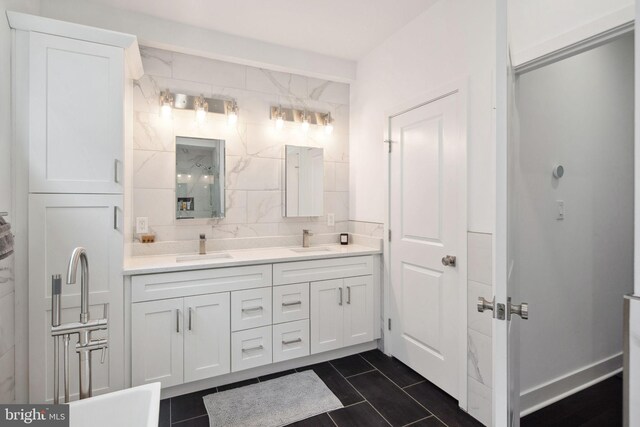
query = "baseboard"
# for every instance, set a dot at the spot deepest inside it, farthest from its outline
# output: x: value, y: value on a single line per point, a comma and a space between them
x: 550, y: 392
x: 265, y: 370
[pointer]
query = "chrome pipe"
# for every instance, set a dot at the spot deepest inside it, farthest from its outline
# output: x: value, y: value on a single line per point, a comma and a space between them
x: 66, y: 368
x: 56, y: 283
x: 80, y: 254
x: 77, y: 327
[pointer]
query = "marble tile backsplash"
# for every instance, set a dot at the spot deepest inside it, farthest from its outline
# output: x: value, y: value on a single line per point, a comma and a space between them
x: 254, y: 148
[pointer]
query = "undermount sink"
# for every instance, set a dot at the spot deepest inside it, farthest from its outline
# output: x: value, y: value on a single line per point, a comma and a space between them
x: 198, y: 257
x: 318, y: 249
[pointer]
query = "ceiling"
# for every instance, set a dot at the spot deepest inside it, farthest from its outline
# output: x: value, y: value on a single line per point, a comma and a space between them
x: 342, y: 28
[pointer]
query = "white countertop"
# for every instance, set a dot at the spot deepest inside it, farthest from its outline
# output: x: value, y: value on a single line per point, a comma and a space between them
x: 167, y: 263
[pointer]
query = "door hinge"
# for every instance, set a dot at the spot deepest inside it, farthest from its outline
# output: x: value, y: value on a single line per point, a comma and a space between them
x: 389, y: 235
x: 389, y: 323
x: 390, y: 142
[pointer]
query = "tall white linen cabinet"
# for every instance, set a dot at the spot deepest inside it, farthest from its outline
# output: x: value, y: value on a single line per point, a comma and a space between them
x: 72, y: 103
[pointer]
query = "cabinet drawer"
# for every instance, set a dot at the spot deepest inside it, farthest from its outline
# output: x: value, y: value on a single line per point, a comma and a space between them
x: 290, y: 340
x: 321, y: 269
x: 251, y: 348
x: 250, y: 309
x: 290, y: 302
x: 188, y: 283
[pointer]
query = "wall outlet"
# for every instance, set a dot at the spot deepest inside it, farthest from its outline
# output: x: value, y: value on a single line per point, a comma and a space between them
x: 331, y: 219
x: 142, y: 225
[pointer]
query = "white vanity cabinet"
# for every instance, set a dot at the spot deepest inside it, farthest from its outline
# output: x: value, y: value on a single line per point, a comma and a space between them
x: 180, y: 339
x: 198, y: 324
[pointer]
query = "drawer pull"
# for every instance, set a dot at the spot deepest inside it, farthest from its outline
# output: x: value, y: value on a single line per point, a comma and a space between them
x: 285, y: 342
x: 190, y: 310
x: 348, y: 294
x: 250, y: 309
x: 246, y: 350
x: 340, y: 300
x: 289, y: 304
x: 178, y: 321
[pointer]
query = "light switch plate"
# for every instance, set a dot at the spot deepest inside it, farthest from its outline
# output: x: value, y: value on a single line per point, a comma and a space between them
x: 142, y: 225
x: 560, y: 204
x: 331, y: 219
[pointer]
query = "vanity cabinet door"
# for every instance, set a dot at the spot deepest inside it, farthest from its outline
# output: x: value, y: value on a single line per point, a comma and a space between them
x: 207, y: 339
x: 358, y: 310
x: 76, y: 101
x: 157, y: 338
x: 326, y: 315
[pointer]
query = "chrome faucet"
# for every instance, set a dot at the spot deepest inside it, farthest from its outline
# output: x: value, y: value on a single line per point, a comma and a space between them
x: 84, y: 328
x: 306, y: 234
x: 203, y: 244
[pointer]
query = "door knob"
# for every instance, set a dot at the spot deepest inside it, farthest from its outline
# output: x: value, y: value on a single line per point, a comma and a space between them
x: 449, y: 260
x: 483, y: 305
x: 521, y: 310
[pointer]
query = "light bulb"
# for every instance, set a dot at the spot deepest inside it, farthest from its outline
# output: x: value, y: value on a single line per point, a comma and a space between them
x: 305, y: 124
x: 165, y: 111
x: 232, y: 118
x: 201, y: 115
x: 328, y: 128
x: 279, y: 123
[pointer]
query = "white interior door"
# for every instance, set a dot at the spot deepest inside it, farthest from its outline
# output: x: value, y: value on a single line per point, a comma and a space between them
x: 426, y: 203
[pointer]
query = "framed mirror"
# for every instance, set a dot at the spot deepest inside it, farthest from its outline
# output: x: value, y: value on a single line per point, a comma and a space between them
x: 200, y: 173
x: 304, y: 181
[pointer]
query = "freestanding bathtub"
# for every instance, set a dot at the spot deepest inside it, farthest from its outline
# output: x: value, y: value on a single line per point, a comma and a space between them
x: 132, y: 407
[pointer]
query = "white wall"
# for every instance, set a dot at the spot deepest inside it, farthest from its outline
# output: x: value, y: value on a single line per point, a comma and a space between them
x: 573, y: 272
x: 450, y: 41
x: 542, y: 26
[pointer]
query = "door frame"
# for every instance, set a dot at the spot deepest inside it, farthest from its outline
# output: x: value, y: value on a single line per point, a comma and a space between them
x: 456, y: 87
x: 577, y: 40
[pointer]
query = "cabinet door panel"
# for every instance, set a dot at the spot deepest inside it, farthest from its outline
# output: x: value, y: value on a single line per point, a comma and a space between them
x: 251, y: 348
x: 290, y: 340
x: 290, y: 302
x: 326, y: 315
x: 250, y: 308
x: 157, y: 341
x: 76, y: 94
x: 207, y: 336
x: 58, y: 223
x: 358, y: 310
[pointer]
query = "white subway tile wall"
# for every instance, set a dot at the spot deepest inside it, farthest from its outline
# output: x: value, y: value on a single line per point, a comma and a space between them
x: 254, y: 148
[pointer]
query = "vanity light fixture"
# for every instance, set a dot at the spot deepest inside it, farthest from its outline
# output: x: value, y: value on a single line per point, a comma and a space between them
x: 232, y: 113
x: 166, y: 102
x: 201, y: 107
x: 328, y: 124
x: 305, y: 122
x: 304, y: 117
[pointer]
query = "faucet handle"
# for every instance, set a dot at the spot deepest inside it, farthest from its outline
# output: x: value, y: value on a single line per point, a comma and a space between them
x: 308, y: 232
x: 203, y: 237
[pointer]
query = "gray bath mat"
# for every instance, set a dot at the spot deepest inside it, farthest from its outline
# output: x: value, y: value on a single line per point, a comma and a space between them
x: 272, y: 403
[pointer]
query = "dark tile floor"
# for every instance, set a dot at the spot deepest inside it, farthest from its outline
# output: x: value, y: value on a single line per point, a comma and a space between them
x: 597, y: 406
x: 375, y: 390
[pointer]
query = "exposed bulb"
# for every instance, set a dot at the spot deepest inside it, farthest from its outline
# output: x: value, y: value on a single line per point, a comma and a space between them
x: 232, y: 118
x: 201, y: 115
x: 165, y: 111
x: 305, y: 124
x: 166, y: 99
x: 328, y: 128
x: 279, y: 123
